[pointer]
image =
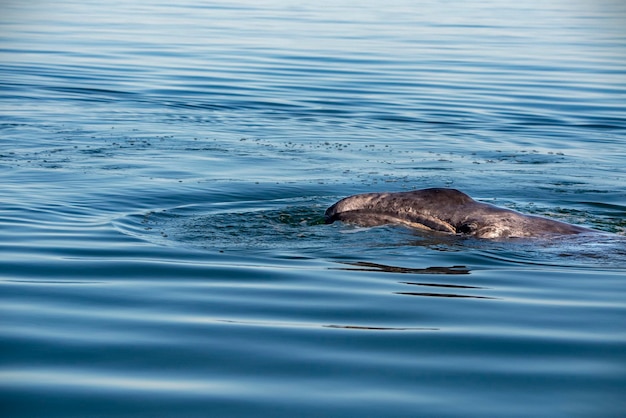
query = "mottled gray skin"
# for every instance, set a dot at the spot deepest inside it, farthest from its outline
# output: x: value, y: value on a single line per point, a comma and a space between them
x: 445, y: 210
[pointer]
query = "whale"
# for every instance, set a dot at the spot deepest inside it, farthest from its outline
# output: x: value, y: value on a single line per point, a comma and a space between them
x: 447, y: 211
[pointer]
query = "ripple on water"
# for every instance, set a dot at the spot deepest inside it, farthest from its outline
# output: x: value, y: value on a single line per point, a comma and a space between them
x: 162, y: 194
x: 296, y: 225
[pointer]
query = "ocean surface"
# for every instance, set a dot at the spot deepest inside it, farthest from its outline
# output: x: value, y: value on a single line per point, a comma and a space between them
x: 165, y: 168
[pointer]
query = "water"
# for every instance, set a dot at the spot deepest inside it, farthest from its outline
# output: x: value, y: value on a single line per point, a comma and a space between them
x: 165, y: 169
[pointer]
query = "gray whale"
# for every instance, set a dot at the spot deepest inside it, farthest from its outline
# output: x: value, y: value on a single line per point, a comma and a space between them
x: 445, y: 210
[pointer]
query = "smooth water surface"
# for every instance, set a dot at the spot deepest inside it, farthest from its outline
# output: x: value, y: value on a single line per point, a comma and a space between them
x: 165, y: 169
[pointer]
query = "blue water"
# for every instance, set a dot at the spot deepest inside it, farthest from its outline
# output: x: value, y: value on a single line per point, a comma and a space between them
x: 165, y: 168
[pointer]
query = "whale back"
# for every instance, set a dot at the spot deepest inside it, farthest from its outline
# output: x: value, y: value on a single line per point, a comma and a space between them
x: 418, y: 208
x: 444, y: 210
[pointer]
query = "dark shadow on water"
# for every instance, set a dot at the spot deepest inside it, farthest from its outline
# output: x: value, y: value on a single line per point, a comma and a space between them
x: 365, y: 328
x: 442, y: 295
x: 364, y: 266
x: 278, y: 324
x: 367, y: 266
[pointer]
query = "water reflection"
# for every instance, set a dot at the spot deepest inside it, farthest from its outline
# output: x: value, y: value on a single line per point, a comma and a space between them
x: 368, y: 266
x: 443, y: 295
x: 365, y: 328
x: 314, y: 325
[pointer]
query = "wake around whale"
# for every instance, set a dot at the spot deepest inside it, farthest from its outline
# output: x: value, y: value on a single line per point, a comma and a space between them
x: 445, y: 210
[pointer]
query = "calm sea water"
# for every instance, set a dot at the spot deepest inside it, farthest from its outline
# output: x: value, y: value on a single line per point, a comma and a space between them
x: 165, y: 168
